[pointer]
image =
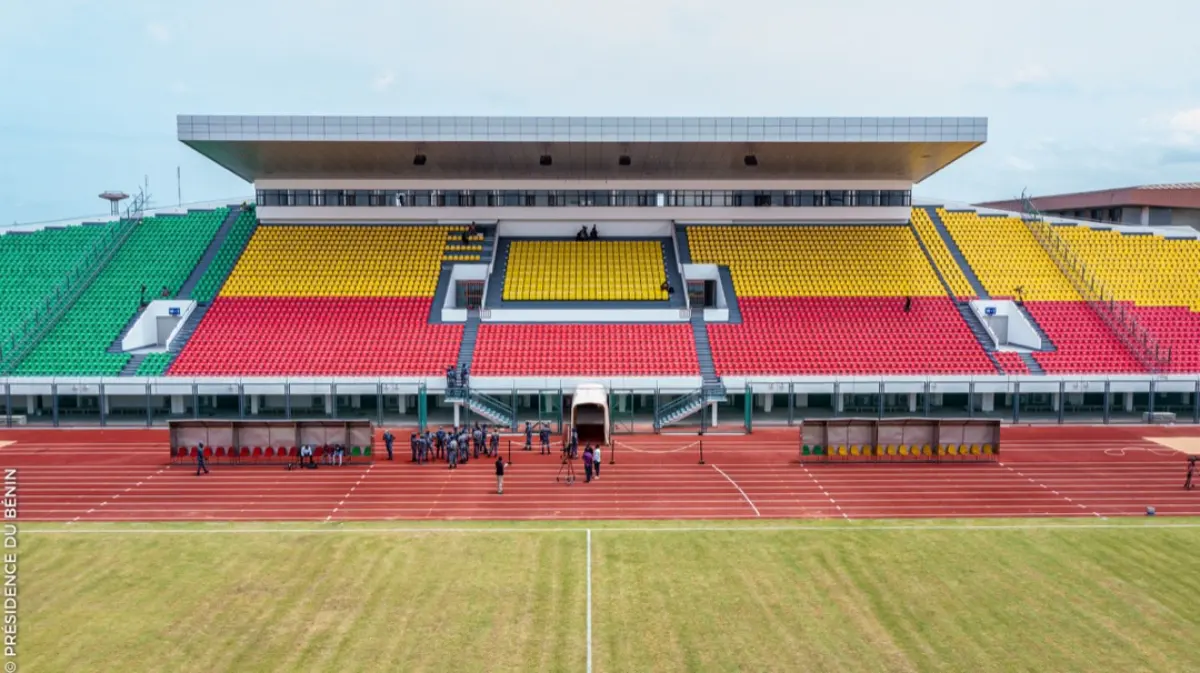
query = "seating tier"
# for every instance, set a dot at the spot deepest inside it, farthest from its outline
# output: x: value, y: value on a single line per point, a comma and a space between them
x: 227, y: 255
x: 314, y: 336
x: 585, y: 350
x: 1085, y: 343
x: 1005, y: 256
x: 836, y: 335
x: 585, y: 271
x: 340, y: 261
x: 160, y: 252
x: 37, y: 263
x: 945, y: 262
x: 1147, y: 270
x: 817, y: 261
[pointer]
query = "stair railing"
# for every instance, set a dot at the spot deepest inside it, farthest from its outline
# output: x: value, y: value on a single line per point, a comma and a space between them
x: 34, y: 326
x: 675, y: 405
x: 1140, y: 342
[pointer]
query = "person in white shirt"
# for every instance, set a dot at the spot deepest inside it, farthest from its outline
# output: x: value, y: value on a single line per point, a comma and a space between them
x: 596, y: 462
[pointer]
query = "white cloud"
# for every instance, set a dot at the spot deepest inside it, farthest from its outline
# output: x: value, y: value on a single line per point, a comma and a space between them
x: 1031, y: 74
x: 384, y: 81
x: 158, y: 32
x: 1185, y: 126
x: 1017, y: 163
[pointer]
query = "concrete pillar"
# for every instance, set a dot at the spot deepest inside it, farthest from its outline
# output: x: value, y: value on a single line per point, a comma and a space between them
x: 31, y: 405
x: 402, y: 401
x: 1144, y: 220
x: 457, y: 411
x: 1055, y: 401
x: 768, y: 402
x: 801, y: 400
x: 935, y: 399
x: 839, y: 402
x: 1128, y: 402
x: 104, y: 402
x: 987, y: 402
x: 177, y: 408
x: 356, y: 401
x: 912, y: 403
x: 328, y: 405
x: 621, y: 403
x: 254, y: 404
x: 714, y: 415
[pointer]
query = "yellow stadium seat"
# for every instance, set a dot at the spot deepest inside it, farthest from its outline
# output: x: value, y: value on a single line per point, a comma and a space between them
x: 585, y: 271
x: 345, y: 261
x: 1148, y: 270
x: 1005, y: 255
x: 942, y: 258
x: 816, y: 261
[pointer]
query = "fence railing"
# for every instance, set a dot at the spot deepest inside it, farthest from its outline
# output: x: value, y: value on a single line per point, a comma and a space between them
x: 19, y: 341
x: 1140, y: 342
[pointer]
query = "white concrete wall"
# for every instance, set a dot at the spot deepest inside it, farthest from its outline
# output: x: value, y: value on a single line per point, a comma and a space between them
x: 575, y: 216
x: 589, y: 315
x: 144, y: 333
x: 567, y: 227
x: 1020, y: 331
x: 450, y: 312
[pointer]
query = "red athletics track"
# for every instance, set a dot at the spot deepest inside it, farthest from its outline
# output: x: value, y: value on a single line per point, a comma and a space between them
x: 125, y: 475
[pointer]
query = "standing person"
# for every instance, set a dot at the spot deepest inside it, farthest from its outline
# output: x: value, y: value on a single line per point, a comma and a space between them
x: 387, y: 440
x: 200, y: 465
x: 477, y: 435
x: 528, y: 436
x: 413, y: 444
x: 500, y: 465
x: 908, y: 304
x: 596, y: 460
x: 544, y: 435
x: 495, y: 443
x: 574, y: 443
x: 452, y: 456
x: 587, y: 464
x: 1187, y: 484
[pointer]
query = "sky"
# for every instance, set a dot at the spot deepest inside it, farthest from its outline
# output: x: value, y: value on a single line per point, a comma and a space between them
x: 1079, y: 95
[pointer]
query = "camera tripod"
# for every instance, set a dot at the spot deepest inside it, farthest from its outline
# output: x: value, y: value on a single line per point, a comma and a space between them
x: 567, y: 469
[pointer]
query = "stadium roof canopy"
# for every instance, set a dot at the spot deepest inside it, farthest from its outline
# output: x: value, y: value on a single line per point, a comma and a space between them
x: 850, y: 148
x: 1176, y: 195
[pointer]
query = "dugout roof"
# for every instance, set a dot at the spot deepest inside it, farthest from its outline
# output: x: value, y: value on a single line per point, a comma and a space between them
x: 850, y: 148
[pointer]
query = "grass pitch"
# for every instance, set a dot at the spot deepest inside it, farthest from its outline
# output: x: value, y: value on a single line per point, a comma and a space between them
x: 830, y: 596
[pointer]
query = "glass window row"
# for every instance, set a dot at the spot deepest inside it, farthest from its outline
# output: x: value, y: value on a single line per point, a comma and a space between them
x: 687, y: 198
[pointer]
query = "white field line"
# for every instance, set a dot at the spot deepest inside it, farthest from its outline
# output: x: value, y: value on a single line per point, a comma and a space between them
x: 739, y: 489
x: 338, y: 528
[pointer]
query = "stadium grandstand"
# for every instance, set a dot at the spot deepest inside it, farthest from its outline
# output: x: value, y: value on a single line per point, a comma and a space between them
x: 705, y: 271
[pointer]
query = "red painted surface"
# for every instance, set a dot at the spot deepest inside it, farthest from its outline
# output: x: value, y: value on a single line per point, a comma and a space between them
x: 338, y: 336
x: 847, y: 335
x: 585, y: 350
x: 125, y: 475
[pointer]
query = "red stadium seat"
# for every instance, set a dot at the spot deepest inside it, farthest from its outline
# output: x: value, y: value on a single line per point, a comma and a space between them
x: 344, y: 336
x: 585, y: 350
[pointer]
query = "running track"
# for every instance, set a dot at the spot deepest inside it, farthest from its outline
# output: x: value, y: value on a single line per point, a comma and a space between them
x: 125, y: 475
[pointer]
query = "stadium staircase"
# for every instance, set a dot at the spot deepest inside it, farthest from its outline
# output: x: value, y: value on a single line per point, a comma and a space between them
x: 681, y: 244
x: 1047, y: 343
x: 956, y: 253
x: 492, y: 408
x: 210, y: 254
x: 1031, y: 364
x: 466, y: 347
x: 711, y: 387
x: 131, y: 367
x: 963, y: 307
x: 115, y: 346
x: 731, y: 299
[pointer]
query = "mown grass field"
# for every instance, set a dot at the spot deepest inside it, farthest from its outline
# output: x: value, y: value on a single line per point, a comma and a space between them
x: 887, y: 596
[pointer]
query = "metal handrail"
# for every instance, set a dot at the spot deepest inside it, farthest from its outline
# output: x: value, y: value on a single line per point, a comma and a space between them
x: 1136, y: 338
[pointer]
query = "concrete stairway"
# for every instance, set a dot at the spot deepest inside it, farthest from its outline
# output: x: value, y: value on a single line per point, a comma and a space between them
x: 466, y: 347
x: 131, y: 367
x: 1032, y: 364
x: 1047, y: 344
x: 957, y: 254
x: 115, y: 346
x: 210, y: 253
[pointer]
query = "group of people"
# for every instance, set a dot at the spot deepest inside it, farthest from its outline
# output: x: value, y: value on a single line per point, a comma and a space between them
x: 334, y: 454
x: 456, y: 445
x: 584, y: 235
x: 457, y: 377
